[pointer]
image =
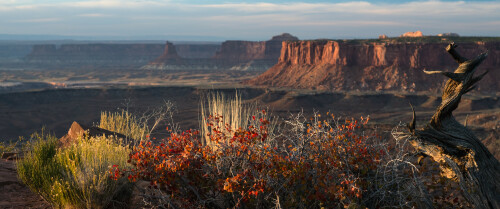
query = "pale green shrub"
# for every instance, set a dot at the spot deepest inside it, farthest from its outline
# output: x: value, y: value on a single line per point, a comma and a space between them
x: 75, y: 177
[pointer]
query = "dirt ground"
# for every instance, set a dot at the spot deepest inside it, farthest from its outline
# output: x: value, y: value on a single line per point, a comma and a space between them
x: 14, y: 194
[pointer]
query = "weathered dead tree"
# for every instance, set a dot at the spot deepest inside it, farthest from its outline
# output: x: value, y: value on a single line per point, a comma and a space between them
x: 459, y: 152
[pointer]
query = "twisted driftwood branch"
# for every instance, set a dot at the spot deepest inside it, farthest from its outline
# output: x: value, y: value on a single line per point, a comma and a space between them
x: 461, y: 155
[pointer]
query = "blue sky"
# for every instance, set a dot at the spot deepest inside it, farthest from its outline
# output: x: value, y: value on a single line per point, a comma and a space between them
x: 248, y: 20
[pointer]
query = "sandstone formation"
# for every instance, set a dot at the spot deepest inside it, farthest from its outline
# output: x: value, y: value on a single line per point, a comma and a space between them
x: 412, y: 34
x: 169, y: 56
x: 383, y: 36
x: 78, y: 131
x: 335, y: 65
x: 234, y: 55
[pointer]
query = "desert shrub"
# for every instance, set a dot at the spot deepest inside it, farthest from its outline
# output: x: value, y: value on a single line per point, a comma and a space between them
x: 314, y: 163
x: 38, y: 168
x: 77, y: 176
x: 398, y: 182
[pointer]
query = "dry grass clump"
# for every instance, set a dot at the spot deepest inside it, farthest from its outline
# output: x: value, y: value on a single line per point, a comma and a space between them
x: 235, y: 113
x: 10, y: 146
x: 139, y: 127
x: 124, y: 123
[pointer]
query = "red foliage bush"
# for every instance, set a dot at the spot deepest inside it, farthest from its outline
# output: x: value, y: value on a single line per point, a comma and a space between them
x: 315, y: 163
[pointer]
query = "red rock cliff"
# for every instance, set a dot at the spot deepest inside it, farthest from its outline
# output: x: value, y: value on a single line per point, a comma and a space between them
x: 333, y: 65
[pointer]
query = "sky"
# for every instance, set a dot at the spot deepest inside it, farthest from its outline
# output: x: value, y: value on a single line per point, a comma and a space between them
x: 246, y: 20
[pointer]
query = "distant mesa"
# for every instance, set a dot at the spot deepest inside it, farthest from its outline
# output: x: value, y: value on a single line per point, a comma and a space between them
x: 94, y: 54
x: 448, y: 35
x: 284, y: 37
x: 372, y: 66
x: 232, y: 55
x: 383, y: 36
x: 412, y: 34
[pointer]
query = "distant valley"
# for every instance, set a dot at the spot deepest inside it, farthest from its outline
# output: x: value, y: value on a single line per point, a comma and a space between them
x: 53, y: 84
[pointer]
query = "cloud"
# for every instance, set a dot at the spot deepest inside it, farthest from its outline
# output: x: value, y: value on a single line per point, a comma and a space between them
x: 40, y: 20
x: 117, y: 4
x: 153, y: 17
x: 94, y: 15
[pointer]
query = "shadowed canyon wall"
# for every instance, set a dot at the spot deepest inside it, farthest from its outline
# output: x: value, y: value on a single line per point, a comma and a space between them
x: 337, y: 65
x: 233, y: 55
x: 197, y: 51
x: 14, y: 51
x: 119, y: 55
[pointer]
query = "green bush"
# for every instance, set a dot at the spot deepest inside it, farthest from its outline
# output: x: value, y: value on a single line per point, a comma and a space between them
x: 75, y: 177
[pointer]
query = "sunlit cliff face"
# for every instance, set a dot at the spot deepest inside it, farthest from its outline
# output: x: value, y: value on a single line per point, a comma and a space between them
x: 337, y: 65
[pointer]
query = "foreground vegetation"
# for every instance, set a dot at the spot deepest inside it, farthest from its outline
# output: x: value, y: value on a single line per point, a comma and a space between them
x: 77, y: 176
x: 243, y: 158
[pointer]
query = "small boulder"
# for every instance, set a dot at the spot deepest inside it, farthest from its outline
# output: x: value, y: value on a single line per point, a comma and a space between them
x: 78, y: 130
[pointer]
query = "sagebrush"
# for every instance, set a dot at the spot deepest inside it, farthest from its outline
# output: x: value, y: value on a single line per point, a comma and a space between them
x: 77, y: 176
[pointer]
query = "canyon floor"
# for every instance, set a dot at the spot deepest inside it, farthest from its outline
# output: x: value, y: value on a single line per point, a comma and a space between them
x: 32, y: 99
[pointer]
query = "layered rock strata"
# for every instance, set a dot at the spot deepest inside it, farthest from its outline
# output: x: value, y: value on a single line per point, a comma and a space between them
x: 337, y: 65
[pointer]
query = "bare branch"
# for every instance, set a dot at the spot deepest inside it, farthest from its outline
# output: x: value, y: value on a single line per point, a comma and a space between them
x: 451, y: 49
x: 460, y: 154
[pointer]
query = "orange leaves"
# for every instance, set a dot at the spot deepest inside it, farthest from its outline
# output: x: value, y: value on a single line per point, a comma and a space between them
x: 327, y: 163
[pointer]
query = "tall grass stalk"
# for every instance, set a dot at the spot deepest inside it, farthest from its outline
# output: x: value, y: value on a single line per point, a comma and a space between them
x: 76, y: 177
x: 235, y: 113
x: 124, y: 123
